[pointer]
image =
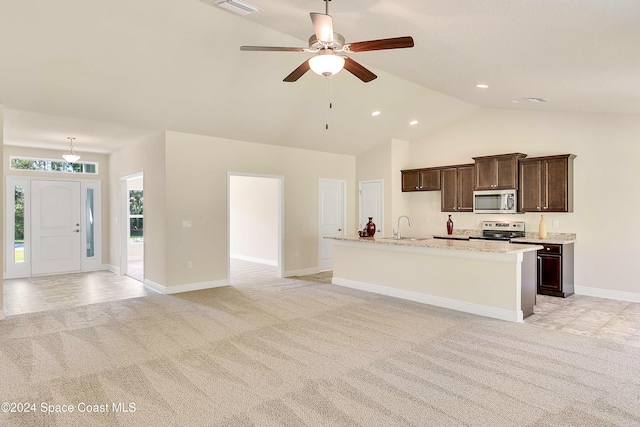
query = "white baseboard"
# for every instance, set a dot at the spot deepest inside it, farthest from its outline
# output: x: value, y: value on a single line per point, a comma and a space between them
x: 467, y: 307
x: 111, y: 268
x: 607, y: 293
x: 302, y: 272
x: 188, y: 287
x: 272, y: 262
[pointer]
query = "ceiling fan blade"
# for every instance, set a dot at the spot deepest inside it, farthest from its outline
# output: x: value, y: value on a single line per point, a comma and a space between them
x: 272, y: 49
x: 394, y: 43
x: 323, y: 26
x: 358, y: 70
x: 298, y: 72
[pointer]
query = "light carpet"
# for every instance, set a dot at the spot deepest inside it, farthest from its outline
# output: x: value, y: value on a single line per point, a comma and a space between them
x: 293, y: 352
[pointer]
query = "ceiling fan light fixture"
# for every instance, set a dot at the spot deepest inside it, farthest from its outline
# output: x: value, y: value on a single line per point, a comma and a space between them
x: 326, y: 64
x: 71, y: 157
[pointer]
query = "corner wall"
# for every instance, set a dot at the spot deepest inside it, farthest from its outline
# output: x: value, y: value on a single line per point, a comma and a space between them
x: 148, y: 156
x: 196, y: 190
x: 2, y: 236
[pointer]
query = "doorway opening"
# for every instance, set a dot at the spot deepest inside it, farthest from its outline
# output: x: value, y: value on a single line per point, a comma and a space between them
x: 255, y: 241
x: 132, y: 229
x: 332, y: 214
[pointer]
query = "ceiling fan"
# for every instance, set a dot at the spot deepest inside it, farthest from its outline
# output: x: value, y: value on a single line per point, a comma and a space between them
x: 330, y: 50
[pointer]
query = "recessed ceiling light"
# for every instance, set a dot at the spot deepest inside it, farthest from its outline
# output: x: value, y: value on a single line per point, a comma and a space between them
x: 413, y: 122
x: 482, y: 86
x: 375, y: 113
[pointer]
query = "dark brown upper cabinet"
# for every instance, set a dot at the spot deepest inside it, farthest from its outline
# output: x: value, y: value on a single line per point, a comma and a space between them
x: 498, y: 172
x: 457, y: 183
x: 546, y: 184
x: 421, y: 179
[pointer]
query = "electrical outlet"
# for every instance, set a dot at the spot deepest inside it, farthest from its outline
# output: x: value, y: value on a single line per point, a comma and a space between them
x: 428, y: 220
x: 189, y: 264
x: 555, y: 223
x: 297, y: 254
x: 186, y: 224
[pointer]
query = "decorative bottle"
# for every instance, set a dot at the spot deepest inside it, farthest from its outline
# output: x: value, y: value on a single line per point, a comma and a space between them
x: 371, y: 227
x: 542, y: 228
x: 450, y: 225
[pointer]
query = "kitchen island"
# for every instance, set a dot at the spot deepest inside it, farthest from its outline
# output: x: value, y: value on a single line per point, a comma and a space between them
x: 492, y: 279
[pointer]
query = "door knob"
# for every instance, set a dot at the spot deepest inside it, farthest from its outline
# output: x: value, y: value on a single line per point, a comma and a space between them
x: 76, y: 231
x: 339, y: 229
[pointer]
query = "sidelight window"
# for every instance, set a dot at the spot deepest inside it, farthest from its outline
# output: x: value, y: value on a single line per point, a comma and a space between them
x: 136, y: 216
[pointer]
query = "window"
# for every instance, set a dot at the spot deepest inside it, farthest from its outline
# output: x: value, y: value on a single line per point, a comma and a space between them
x: 18, y: 234
x: 90, y: 223
x: 51, y: 165
x: 136, y: 216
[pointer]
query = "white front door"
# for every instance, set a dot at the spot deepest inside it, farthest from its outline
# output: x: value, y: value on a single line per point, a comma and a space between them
x: 371, y: 205
x: 331, y: 217
x: 55, y: 227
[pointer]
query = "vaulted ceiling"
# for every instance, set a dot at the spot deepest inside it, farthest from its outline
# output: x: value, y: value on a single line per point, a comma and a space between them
x: 111, y: 72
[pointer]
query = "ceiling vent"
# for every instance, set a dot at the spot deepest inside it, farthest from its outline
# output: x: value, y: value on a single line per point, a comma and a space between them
x: 536, y: 99
x: 237, y: 6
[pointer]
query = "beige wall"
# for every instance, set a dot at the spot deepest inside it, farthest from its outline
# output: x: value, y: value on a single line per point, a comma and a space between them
x: 103, y: 176
x: 606, y: 179
x: 2, y: 168
x: 253, y: 221
x: 196, y: 190
x: 148, y: 157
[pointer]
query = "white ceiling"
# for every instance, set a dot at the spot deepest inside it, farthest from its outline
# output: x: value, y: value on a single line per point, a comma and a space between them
x: 111, y: 72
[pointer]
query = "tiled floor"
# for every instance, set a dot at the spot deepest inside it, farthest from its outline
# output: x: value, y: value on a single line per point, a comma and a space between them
x: 40, y: 293
x: 617, y: 321
x: 608, y: 319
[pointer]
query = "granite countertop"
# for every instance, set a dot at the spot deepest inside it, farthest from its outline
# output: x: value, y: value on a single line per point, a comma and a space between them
x: 551, y: 239
x: 461, y: 245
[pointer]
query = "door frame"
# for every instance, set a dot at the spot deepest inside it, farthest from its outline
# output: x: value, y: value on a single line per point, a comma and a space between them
x: 280, y: 179
x: 15, y: 270
x: 124, y: 221
x: 381, y: 220
x: 343, y: 188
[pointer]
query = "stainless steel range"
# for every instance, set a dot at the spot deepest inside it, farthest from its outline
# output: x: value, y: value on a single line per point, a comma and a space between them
x: 500, y: 230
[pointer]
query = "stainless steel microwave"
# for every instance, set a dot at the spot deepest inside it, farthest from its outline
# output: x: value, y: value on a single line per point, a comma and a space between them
x: 495, y: 202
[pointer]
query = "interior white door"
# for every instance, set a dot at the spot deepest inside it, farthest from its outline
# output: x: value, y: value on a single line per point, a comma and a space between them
x: 331, y: 217
x: 371, y: 204
x: 55, y: 227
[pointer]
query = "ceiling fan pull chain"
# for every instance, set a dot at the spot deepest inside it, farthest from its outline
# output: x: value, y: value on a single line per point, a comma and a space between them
x: 326, y: 126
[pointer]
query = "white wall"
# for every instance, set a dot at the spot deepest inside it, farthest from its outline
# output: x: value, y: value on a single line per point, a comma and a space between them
x: 606, y: 182
x: 253, y: 222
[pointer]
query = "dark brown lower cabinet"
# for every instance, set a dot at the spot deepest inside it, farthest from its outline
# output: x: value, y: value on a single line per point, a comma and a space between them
x: 555, y: 270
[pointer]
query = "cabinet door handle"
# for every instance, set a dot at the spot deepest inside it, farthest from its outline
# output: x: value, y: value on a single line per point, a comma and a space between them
x: 417, y: 188
x: 538, y: 207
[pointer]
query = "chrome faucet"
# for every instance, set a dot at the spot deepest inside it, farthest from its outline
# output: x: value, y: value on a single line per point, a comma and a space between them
x: 399, y: 218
